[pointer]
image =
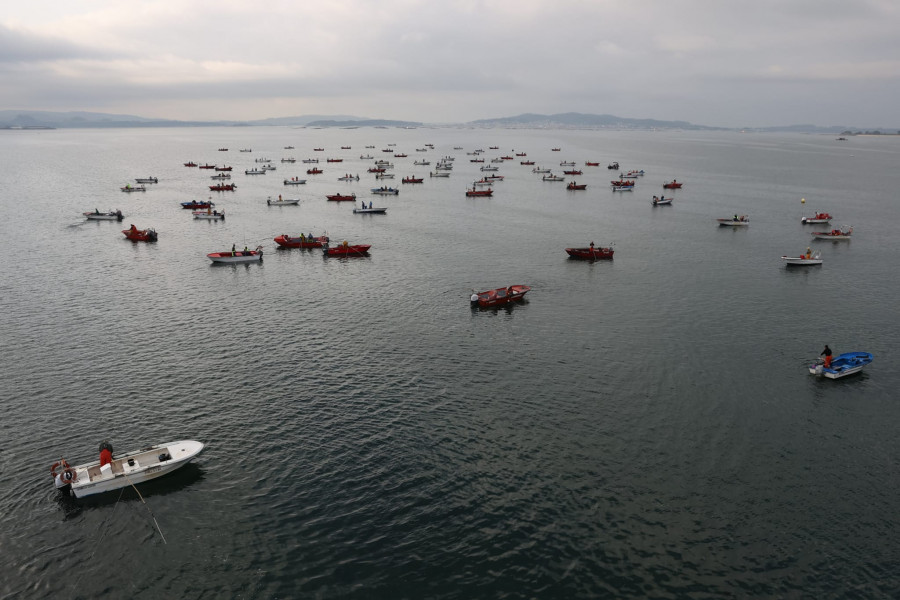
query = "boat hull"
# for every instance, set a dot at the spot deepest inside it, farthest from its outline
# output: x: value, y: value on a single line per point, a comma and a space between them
x: 500, y: 296
x: 596, y: 253
x: 369, y: 211
x: 91, y: 479
x: 286, y: 241
x: 357, y: 250
x: 236, y: 257
x: 110, y: 216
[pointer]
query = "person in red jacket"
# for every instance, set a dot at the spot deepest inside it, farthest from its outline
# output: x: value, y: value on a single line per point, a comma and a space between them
x: 106, y: 451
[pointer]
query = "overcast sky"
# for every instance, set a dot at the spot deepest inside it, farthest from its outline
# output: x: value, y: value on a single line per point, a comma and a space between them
x: 729, y: 63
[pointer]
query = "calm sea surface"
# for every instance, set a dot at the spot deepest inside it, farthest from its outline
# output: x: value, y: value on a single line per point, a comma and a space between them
x: 641, y: 427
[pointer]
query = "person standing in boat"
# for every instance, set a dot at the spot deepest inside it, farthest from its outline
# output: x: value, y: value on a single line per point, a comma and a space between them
x: 106, y: 451
x: 827, y: 354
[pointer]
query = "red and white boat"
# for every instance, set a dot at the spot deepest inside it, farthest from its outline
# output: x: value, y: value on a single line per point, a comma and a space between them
x: 500, y: 296
x: 303, y: 241
x: 140, y: 235
x: 818, y: 218
x: 223, y: 187
x: 673, y: 185
x: 834, y: 234
x: 412, y: 179
x: 347, y: 250
x: 237, y: 256
x: 591, y: 252
x: 622, y: 183
x: 476, y: 192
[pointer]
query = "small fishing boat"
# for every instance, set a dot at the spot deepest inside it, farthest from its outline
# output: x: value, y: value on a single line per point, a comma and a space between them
x: 133, y: 188
x: 622, y: 188
x: 342, y: 197
x: 635, y: 173
x: 366, y: 157
x: 318, y: 149
x: 289, y: 160
x: 190, y: 164
x: 345, y: 147
x: 477, y: 192
x: 673, y: 185
x: 540, y: 170
x: 311, y: 160
x: 221, y: 176
x: 422, y: 163
x: 263, y: 160
x: 131, y: 468
x: 197, y: 204
x: 622, y: 183
x: 334, y: 160
x: 386, y: 175
x: 804, y: 260
x: 411, y: 179
x: 573, y: 172
x: 146, y: 180
x: 614, y: 166
x: 282, y: 201
x: 385, y: 191
x: 552, y: 177
x: 588, y: 163
x: 207, y: 166
x: 439, y: 174
x: 567, y: 163
x: 591, y: 252
x: 236, y: 256
x: 735, y: 221
x: 112, y: 215
x: 209, y: 215
x: 845, y: 364
x: 255, y: 171
x: 818, y: 218
x: 294, y: 181
x: 303, y: 241
x: 526, y: 162
x: 834, y: 235
x: 576, y: 186
x: 500, y: 296
x: 489, y: 168
x: 371, y: 210
x: 223, y: 168
x: 401, y: 155
x: 223, y: 187
x: 223, y: 149
x: 349, y: 178
x: 661, y: 201
x: 347, y: 250
x: 140, y: 235
x: 314, y: 171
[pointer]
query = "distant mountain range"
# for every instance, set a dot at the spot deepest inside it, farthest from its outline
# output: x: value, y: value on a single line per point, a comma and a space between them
x: 33, y: 119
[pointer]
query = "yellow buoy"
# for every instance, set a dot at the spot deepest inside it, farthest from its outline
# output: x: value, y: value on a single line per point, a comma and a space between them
x: 802, y: 200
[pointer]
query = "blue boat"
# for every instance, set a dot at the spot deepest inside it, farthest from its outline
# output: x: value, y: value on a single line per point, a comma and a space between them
x: 843, y: 365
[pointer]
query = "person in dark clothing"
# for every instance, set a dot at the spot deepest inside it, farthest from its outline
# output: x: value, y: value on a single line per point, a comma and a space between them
x: 827, y: 354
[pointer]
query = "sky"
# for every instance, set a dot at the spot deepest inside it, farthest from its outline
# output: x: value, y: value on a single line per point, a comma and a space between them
x: 725, y: 63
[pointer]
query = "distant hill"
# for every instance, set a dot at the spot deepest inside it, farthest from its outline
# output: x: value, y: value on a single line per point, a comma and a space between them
x: 364, y: 123
x: 581, y: 120
x: 82, y: 119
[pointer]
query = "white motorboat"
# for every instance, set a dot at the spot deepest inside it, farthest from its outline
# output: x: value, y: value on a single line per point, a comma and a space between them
x: 209, y: 215
x: 282, y: 201
x: 384, y: 176
x: 439, y: 174
x: 736, y: 221
x: 804, y: 260
x: 370, y: 211
x: 113, y: 215
x: 131, y: 468
x: 294, y: 181
x: 255, y: 172
x: 816, y: 219
x: 385, y: 191
x: 236, y: 256
x: 835, y: 234
x: 661, y: 201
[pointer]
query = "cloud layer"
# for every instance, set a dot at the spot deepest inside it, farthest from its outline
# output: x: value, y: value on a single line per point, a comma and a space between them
x: 826, y: 62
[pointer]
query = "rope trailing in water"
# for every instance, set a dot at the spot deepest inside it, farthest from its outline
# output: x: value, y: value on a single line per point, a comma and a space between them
x: 152, y: 516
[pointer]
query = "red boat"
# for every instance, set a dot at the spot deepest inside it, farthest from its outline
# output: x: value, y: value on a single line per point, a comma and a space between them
x: 223, y: 168
x: 500, y: 296
x: 590, y: 253
x: 526, y: 162
x: 342, y: 197
x: 521, y: 154
x: 190, y: 164
x: 207, y: 166
x: 335, y: 160
x: 303, y: 241
x: 314, y: 171
x: 347, y: 250
x: 572, y: 172
x: 140, y: 235
x: 474, y: 192
x: 223, y: 187
x: 576, y: 186
x: 412, y: 180
x: 477, y: 160
x: 673, y: 185
x: 376, y: 170
x: 506, y: 158
x: 591, y: 164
